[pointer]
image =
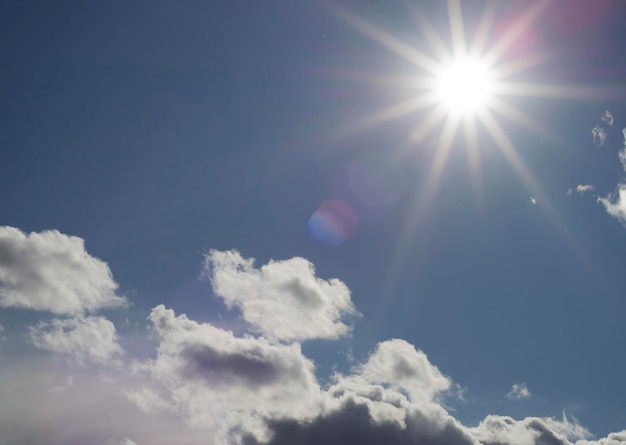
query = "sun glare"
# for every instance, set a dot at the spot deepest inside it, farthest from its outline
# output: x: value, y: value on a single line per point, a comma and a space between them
x: 464, y: 86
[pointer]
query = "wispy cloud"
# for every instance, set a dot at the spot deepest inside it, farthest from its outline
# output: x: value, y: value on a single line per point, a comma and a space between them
x: 608, y: 118
x: 615, y: 203
x: 518, y: 391
x: 533, y: 200
x: 599, y: 135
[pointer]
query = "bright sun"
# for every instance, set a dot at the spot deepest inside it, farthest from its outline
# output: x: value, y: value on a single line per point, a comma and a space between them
x: 465, y: 85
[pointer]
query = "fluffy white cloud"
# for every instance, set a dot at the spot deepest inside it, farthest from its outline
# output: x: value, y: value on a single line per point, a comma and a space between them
x: 53, y: 272
x: 399, y: 364
x: 616, y: 205
x: 518, y: 391
x: 80, y: 338
x: 282, y: 299
x: 220, y: 382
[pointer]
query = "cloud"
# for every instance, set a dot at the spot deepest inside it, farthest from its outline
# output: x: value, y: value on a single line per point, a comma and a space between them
x: 608, y: 118
x: 204, y: 384
x: 599, y: 135
x: 124, y: 441
x: 51, y: 271
x: 612, y: 439
x: 518, y: 391
x: 282, y: 299
x: 533, y: 200
x: 1, y: 328
x: 616, y: 205
x: 399, y: 364
x: 79, y: 338
x: 220, y: 382
x: 582, y: 188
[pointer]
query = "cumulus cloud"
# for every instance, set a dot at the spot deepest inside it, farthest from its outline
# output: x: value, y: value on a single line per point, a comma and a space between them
x: 399, y: 364
x: 612, y: 439
x: 518, y: 391
x: 79, y: 338
x: 206, y: 384
x: 221, y: 382
x: 53, y: 272
x: 282, y: 299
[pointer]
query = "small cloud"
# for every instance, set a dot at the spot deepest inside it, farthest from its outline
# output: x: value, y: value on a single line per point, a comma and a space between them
x: 599, y: 135
x: 79, y: 338
x: 608, y: 118
x: 533, y: 200
x: 124, y: 441
x: 1, y: 328
x: 616, y: 205
x: 518, y: 391
x: 582, y: 188
x: 569, y: 191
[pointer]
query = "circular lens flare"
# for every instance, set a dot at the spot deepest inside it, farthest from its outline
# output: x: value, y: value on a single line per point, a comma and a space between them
x: 464, y: 85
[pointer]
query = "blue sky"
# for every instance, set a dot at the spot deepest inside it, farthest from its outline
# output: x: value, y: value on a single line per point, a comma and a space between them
x: 405, y: 276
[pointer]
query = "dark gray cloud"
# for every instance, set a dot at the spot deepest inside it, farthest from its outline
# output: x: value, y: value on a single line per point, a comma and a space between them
x: 352, y: 424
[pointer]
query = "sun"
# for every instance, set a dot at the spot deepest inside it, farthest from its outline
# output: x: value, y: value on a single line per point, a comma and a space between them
x: 465, y: 85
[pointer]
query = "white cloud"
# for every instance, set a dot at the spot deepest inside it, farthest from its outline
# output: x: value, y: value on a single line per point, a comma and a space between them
x: 206, y: 384
x: 282, y: 299
x: 612, y: 439
x: 518, y: 391
x: 570, y: 429
x: 616, y: 205
x: 399, y: 364
x: 53, y: 272
x: 221, y: 382
x: 582, y: 188
x: 533, y: 200
x: 79, y: 338
x: 599, y: 135
x: 607, y: 118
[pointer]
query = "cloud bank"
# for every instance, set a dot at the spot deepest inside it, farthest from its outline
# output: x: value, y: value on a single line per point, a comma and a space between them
x: 204, y: 384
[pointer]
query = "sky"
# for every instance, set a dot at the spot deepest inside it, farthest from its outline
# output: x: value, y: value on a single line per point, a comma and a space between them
x: 331, y: 222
